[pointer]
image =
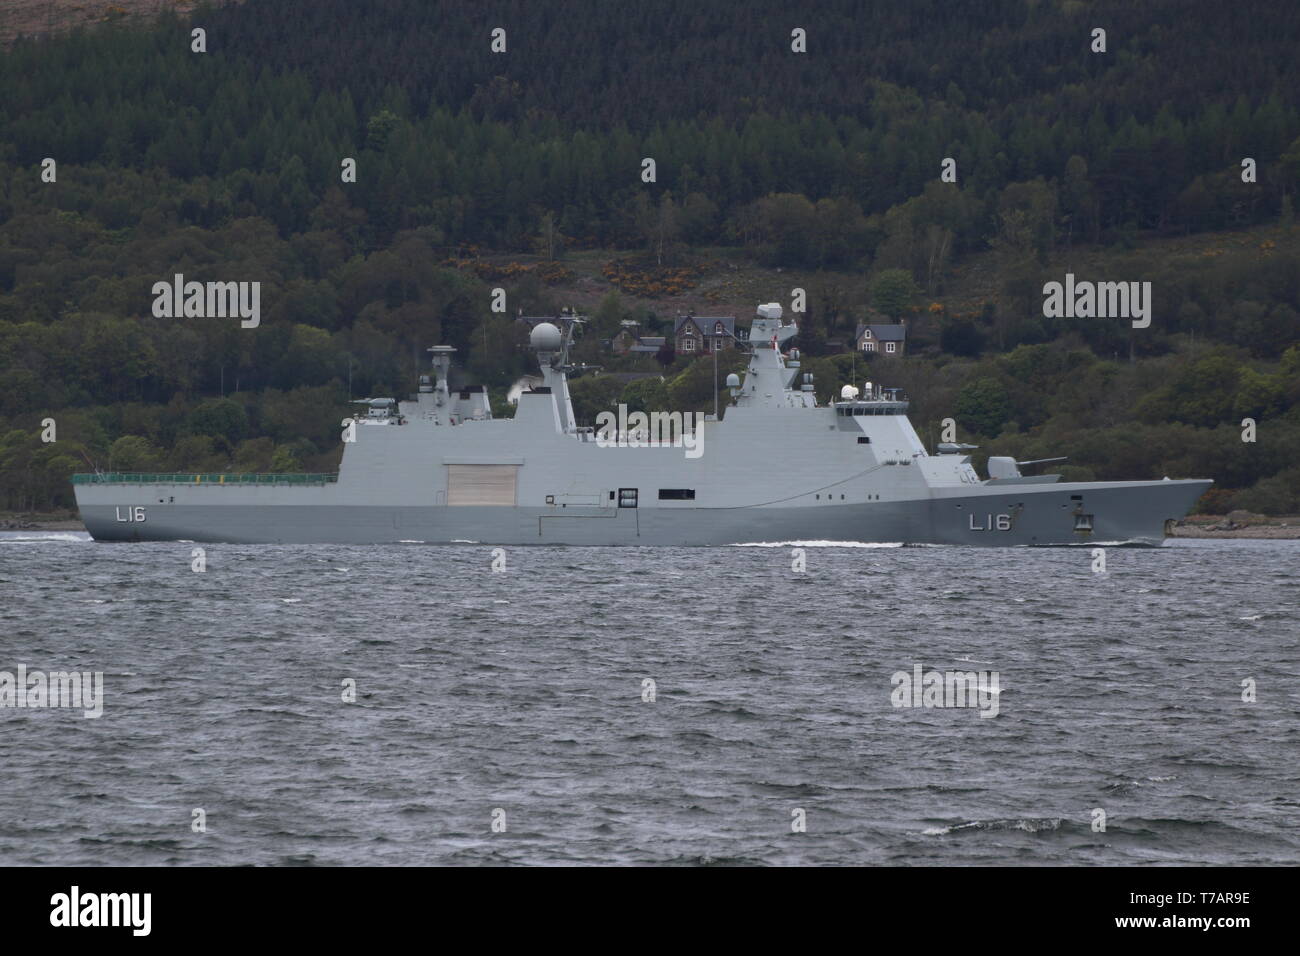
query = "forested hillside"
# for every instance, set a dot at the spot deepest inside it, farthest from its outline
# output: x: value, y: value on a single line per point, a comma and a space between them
x: 523, y: 169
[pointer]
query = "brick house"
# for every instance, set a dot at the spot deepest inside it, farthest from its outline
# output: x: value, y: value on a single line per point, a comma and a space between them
x: 875, y: 339
x: 701, y: 334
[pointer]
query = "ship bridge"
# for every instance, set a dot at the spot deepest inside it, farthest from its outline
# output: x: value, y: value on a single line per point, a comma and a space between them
x: 881, y: 401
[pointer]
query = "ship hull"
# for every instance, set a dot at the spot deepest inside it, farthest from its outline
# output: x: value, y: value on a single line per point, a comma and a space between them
x: 1131, y: 512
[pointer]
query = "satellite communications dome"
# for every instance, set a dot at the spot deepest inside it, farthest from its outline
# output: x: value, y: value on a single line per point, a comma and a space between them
x: 545, y: 337
x: 849, y: 392
x: 733, y: 380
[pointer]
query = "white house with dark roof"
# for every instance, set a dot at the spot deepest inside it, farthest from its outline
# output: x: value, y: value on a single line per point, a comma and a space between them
x: 876, y: 339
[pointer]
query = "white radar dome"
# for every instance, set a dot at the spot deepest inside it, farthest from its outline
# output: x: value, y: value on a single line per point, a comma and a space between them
x: 849, y: 392
x: 733, y: 380
x: 545, y: 337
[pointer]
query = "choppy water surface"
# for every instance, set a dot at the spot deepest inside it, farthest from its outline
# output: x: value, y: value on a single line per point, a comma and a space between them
x: 522, y: 690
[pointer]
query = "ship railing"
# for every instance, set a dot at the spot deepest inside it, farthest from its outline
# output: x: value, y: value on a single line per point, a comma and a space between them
x: 176, y: 478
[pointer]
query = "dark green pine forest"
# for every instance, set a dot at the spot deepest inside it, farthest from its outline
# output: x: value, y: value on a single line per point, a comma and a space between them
x: 774, y: 169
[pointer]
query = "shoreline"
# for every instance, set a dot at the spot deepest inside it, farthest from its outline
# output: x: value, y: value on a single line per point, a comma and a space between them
x: 1281, y: 528
x: 31, y: 522
x: 1275, y: 532
x: 1238, y: 524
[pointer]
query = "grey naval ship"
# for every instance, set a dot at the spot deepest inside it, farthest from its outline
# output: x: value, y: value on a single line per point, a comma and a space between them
x: 778, y: 467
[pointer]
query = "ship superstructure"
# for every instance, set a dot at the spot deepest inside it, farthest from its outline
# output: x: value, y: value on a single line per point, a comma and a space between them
x: 439, y: 468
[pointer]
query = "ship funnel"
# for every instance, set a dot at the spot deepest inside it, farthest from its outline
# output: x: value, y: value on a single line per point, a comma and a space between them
x: 770, y: 310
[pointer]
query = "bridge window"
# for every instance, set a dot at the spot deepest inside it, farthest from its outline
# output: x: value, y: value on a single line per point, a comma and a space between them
x: 676, y: 494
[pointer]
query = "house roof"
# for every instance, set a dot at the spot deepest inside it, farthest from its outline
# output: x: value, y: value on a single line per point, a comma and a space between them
x: 885, y: 333
x: 706, y: 323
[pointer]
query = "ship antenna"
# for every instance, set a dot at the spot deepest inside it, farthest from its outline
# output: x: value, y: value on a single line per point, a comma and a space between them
x: 570, y: 323
x: 93, y: 467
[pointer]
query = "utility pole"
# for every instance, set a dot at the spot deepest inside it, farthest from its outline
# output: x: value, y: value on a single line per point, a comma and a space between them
x: 715, y: 378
